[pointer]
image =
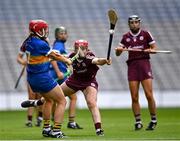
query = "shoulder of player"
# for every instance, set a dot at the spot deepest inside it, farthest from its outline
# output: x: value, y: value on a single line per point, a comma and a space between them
x: 58, y: 45
x: 126, y: 34
x: 145, y: 31
x: 38, y: 41
x: 71, y: 54
x: 58, y: 42
x: 90, y: 54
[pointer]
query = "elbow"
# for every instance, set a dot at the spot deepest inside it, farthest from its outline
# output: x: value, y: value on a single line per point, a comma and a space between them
x: 18, y: 60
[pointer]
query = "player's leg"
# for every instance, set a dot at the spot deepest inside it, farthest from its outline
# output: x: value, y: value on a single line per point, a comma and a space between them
x: 134, y: 90
x: 57, y: 95
x: 31, y: 96
x: 147, y: 86
x: 32, y: 103
x: 46, y: 116
x: 90, y: 94
x: 72, y: 113
x: 53, y: 110
x: 39, y: 117
x: 70, y: 93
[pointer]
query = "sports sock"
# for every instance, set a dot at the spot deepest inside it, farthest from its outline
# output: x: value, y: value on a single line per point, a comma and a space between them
x: 29, y: 117
x: 40, y: 114
x: 97, y: 125
x: 46, y: 123
x: 71, y: 118
x: 57, y: 126
x: 153, y: 118
x: 138, y: 118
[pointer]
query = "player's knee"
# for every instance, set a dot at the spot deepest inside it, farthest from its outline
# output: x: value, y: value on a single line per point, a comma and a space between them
x: 135, y: 99
x: 61, y: 101
x: 149, y: 97
x: 91, y: 104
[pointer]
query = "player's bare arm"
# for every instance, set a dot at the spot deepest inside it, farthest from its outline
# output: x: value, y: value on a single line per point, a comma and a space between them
x: 56, y: 56
x: 152, y: 49
x: 57, y: 70
x: 101, y: 61
x: 20, y: 59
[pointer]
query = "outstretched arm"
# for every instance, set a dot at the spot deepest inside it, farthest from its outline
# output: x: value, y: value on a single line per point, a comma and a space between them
x: 56, y: 56
x: 101, y: 61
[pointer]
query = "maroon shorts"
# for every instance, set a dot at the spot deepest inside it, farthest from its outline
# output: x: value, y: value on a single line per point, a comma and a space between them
x: 139, y: 70
x: 78, y: 85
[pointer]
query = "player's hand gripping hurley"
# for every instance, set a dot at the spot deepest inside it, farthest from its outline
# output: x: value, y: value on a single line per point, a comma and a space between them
x: 113, y: 20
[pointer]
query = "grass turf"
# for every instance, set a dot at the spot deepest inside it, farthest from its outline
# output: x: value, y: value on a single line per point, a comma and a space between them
x: 117, y: 123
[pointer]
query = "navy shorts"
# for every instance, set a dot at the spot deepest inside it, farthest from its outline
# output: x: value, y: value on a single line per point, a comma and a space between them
x: 41, y: 83
x: 139, y: 70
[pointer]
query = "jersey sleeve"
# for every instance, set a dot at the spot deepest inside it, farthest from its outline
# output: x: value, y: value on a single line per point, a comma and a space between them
x: 59, y: 47
x: 89, y: 57
x: 22, y: 48
x: 56, y: 47
x: 71, y: 54
x: 150, y: 38
x: 123, y: 41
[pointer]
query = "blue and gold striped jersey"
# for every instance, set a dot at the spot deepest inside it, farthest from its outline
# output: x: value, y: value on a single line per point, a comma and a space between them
x: 36, y: 50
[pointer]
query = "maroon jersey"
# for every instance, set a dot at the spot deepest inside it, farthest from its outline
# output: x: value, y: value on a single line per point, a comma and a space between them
x: 83, y: 69
x: 142, y: 40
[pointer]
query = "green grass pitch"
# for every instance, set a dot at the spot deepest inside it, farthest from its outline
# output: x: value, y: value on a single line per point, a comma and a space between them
x: 118, y: 124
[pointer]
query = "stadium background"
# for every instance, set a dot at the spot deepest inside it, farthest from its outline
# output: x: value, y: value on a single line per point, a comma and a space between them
x: 88, y: 19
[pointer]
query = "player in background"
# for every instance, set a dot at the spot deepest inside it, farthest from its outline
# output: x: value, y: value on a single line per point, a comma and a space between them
x: 60, y: 72
x: 31, y: 96
x: 38, y: 54
x: 139, y: 68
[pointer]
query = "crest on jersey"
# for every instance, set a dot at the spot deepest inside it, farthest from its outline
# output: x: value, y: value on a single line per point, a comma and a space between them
x: 128, y: 40
x: 141, y: 38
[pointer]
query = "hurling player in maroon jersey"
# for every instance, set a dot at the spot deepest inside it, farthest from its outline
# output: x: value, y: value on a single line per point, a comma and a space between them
x: 139, y: 68
x: 83, y: 78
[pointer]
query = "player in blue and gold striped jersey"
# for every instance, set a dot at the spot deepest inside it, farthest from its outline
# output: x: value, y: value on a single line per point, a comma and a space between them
x: 39, y: 54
